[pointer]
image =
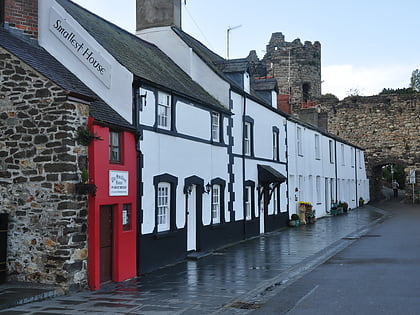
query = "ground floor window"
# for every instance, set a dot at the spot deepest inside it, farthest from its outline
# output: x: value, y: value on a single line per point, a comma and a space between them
x: 165, y: 202
x: 215, y: 203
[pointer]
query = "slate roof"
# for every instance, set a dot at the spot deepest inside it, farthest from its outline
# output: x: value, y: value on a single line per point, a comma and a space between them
x: 268, y: 84
x: 143, y: 59
x: 40, y: 60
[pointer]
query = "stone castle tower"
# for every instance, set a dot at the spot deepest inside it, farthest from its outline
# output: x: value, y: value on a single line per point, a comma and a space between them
x: 296, y: 67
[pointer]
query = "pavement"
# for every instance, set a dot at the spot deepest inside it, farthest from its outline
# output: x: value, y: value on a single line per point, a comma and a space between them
x: 233, y: 280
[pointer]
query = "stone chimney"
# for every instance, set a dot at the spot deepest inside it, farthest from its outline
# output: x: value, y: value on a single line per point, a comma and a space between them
x: 156, y: 13
x: 20, y: 17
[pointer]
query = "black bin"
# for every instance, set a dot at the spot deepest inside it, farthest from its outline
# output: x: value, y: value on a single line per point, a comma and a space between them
x: 4, y: 224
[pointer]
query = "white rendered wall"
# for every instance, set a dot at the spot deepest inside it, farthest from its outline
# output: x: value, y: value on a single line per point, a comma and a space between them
x: 116, y: 90
x: 181, y: 158
x: 170, y: 43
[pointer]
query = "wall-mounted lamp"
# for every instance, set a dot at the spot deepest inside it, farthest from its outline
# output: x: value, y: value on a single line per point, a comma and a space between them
x: 141, y: 99
x: 207, y: 188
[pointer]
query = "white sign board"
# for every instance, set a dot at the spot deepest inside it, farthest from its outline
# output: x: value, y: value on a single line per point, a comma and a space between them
x: 80, y: 47
x: 118, y: 183
x: 412, y: 176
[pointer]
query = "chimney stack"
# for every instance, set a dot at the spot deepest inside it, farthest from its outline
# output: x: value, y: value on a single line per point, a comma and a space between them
x: 21, y: 17
x: 156, y: 13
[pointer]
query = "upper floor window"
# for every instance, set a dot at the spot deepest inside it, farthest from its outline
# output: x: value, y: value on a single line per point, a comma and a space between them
x: 164, y: 111
x: 215, y: 126
x: 247, y: 138
x: 275, y: 144
x: 352, y: 157
x: 115, y: 147
x: 163, y: 204
x: 317, y: 147
x: 343, y: 156
x: 331, y: 150
x: 299, y: 140
x: 215, y: 203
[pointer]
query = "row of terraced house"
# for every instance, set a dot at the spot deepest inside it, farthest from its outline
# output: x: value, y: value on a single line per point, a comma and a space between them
x: 121, y: 153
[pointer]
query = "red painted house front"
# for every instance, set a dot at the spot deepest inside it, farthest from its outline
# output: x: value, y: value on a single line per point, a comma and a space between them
x: 112, y: 212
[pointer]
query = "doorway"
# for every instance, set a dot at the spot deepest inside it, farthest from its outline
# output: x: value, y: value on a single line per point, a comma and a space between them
x: 106, y: 246
x: 192, y: 219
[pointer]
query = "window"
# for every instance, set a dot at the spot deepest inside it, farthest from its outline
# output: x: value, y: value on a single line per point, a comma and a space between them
x: 343, y: 159
x: 247, y: 138
x: 352, y: 157
x: 163, y: 203
x: 331, y: 149
x: 248, y: 202
x: 299, y: 141
x: 318, y: 189
x: 215, y: 127
x: 126, y: 217
x: 114, y: 147
x: 275, y: 144
x: 164, y: 111
x: 215, y: 204
x: 317, y: 148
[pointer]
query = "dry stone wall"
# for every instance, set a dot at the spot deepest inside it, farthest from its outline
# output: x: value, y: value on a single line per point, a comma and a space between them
x: 39, y: 164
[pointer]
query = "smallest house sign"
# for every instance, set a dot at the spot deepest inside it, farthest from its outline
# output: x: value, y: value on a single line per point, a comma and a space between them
x: 118, y: 183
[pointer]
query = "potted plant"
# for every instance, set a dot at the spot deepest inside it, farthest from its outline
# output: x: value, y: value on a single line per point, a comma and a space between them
x: 294, y: 220
x: 345, y: 207
x: 84, y: 188
x: 334, y: 207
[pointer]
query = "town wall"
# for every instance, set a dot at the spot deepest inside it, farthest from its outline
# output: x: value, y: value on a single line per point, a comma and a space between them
x: 387, y: 126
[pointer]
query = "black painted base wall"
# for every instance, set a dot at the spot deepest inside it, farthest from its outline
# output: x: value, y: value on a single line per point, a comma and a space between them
x: 162, y: 249
x: 159, y: 250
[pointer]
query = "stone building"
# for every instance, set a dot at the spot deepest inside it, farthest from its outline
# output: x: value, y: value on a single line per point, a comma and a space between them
x: 43, y: 110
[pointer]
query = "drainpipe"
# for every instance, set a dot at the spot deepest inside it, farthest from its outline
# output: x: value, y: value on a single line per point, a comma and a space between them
x: 243, y: 164
x: 355, y: 176
x: 336, y: 171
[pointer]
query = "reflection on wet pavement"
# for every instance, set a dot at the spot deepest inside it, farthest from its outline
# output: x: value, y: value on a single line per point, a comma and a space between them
x: 207, y: 285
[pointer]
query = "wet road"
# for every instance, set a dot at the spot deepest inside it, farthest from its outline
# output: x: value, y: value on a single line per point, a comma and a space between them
x: 231, y: 281
x: 377, y: 274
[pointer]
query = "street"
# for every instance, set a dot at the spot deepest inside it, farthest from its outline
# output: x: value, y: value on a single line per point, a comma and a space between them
x: 377, y: 274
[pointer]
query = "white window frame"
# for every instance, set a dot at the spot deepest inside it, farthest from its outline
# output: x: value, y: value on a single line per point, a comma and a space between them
x: 331, y: 150
x: 317, y: 147
x: 343, y: 157
x: 318, y: 189
x: 215, y: 126
x: 299, y: 143
x: 164, y: 115
x: 215, y: 203
x: 247, y: 138
x: 163, y: 206
x: 248, y: 202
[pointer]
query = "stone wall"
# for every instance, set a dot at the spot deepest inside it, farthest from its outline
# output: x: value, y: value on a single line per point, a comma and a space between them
x: 387, y: 126
x: 39, y: 164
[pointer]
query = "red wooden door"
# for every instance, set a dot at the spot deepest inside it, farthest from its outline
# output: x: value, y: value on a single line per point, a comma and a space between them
x: 106, y: 243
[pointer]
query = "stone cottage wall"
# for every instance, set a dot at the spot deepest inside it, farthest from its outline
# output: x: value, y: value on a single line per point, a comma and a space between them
x: 39, y: 164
